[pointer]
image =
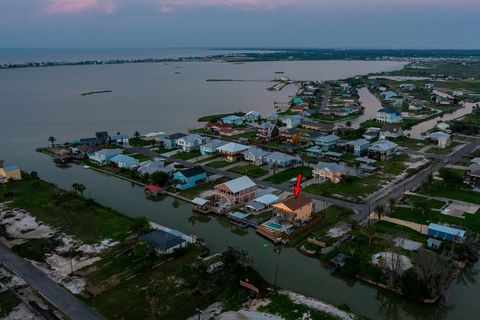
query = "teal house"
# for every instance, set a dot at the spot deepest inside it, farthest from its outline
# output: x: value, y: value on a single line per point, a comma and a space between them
x: 189, y: 178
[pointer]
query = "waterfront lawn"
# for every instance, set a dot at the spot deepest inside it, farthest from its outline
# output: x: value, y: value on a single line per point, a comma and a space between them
x: 139, y: 142
x: 281, y: 305
x: 186, y: 155
x: 250, y: 170
x: 195, y: 191
x: 412, y: 144
x: 82, y: 218
x: 8, y: 302
x: 425, y: 202
x: 291, y: 173
x: 218, y: 164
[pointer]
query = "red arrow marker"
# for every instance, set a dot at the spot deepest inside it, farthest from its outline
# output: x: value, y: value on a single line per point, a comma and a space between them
x: 298, y: 188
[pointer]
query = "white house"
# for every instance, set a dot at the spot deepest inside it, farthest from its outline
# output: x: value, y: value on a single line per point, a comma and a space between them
x: 191, y: 142
x: 252, y: 116
x: 281, y: 159
x: 442, y: 139
x: 388, y: 115
x: 103, y: 157
x: 155, y: 165
x: 124, y: 161
x: 211, y: 146
x: 292, y: 121
x: 255, y: 155
x: 391, y: 130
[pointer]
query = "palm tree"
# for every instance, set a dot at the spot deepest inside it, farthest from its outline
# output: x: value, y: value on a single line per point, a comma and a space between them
x: 81, y: 189
x: 392, y: 204
x: 52, y: 140
x: 348, y: 124
x: 370, y: 231
x: 75, y: 187
x: 379, y: 211
x: 136, y: 134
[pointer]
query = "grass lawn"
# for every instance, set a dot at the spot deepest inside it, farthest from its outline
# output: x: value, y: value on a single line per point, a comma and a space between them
x: 394, y: 229
x: 218, y: 164
x: 134, y: 142
x: 354, y: 189
x: 393, y: 166
x: 84, y: 219
x: 288, y: 174
x: 439, y: 190
x: 250, y: 170
x: 141, y: 157
x: 412, y: 144
x: 447, y: 150
x: 8, y: 302
x: 425, y: 217
x: 187, y: 155
x: 371, y: 123
x: 246, y: 135
x: 195, y: 191
x: 427, y: 203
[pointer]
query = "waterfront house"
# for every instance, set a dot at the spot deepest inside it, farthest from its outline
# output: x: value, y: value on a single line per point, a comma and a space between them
x: 102, y: 137
x: 262, y: 202
x: 267, y: 132
x: 443, y: 232
x: 120, y: 139
x: 328, y: 142
x: 189, y: 178
x: 155, y: 165
x: 300, y: 107
x: 232, y: 150
x: 11, y: 172
x: 191, y: 142
x: 292, y: 121
x: 235, y: 192
x: 154, y: 136
x: 382, y: 150
x: 371, y: 133
x: 281, y: 159
x: 211, y: 146
x: 233, y: 120
x: 358, y: 147
x: 255, y: 155
x: 291, y: 136
x: 440, y: 138
x: 103, y: 157
x: 170, y: 141
x: 163, y: 242
x: 388, y: 115
x: 323, y: 127
x: 294, y: 210
x: 124, y: 161
x: 83, y: 151
x: 391, y: 131
x: 329, y: 171
x: 216, y: 126
x: 231, y: 131
x: 408, y: 86
x: 252, y: 116
x: 273, y: 117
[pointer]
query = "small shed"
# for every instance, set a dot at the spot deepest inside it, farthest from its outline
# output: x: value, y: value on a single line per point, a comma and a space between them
x: 163, y: 242
x: 434, y: 243
x: 339, y: 260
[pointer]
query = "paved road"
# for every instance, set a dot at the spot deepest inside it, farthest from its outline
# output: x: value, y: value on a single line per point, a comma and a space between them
x: 53, y: 292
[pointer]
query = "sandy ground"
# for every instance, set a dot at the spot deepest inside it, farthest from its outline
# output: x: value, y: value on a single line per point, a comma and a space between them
x: 339, y: 230
x: 391, y: 258
x: 21, y: 226
x: 407, y: 244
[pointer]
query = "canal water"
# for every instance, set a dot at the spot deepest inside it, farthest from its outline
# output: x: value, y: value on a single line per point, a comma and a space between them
x: 37, y: 103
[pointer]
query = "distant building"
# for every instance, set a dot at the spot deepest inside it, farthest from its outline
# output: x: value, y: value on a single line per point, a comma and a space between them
x: 233, y: 120
x: 371, y: 133
x: 103, y: 157
x: 291, y: 136
x: 382, y: 150
x: 120, y: 139
x: 281, y: 159
x: 211, y: 146
x: 267, y: 132
x: 408, y: 86
x: 232, y: 151
x: 294, y: 210
x: 189, y: 178
x: 252, y: 116
x: 329, y: 171
x: 358, y: 147
x: 443, y: 232
x: 191, y: 142
x: 255, y: 155
x: 319, y: 126
x: 327, y: 143
x: 163, y: 242
x: 388, y: 115
x: 155, y: 165
x: 124, y: 161
x: 292, y: 121
x: 170, y: 141
x: 443, y: 126
x: 391, y: 131
x: 236, y: 192
x: 442, y: 139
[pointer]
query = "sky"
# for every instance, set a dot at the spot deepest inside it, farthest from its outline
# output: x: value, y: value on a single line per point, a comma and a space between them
x: 452, y: 24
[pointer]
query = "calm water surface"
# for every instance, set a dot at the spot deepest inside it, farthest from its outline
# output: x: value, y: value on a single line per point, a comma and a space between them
x: 37, y: 103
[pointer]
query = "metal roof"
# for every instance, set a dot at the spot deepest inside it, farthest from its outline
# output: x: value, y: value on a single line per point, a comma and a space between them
x: 200, y: 201
x: 266, y: 199
x: 446, y: 229
x: 239, y: 184
x: 233, y: 147
x: 162, y: 240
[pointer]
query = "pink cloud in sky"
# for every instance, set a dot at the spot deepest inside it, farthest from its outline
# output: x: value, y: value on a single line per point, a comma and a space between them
x: 74, y: 6
x: 171, y: 5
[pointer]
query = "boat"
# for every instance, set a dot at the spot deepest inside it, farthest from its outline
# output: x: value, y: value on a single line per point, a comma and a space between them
x: 86, y: 167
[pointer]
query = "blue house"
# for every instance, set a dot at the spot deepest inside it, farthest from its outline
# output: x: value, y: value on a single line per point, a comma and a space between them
x: 233, y: 120
x: 189, y: 178
x: 124, y: 161
x: 443, y: 232
x: 327, y: 142
x: 388, y: 115
x: 358, y: 147
x: 103, y: 157
x: 170, y: 141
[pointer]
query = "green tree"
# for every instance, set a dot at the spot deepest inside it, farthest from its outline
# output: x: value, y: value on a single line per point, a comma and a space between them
x: 160, y: 178
x: 136, y: 134
x: 392, y: 204
x: 379, y: 212
x: 452, y: 179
